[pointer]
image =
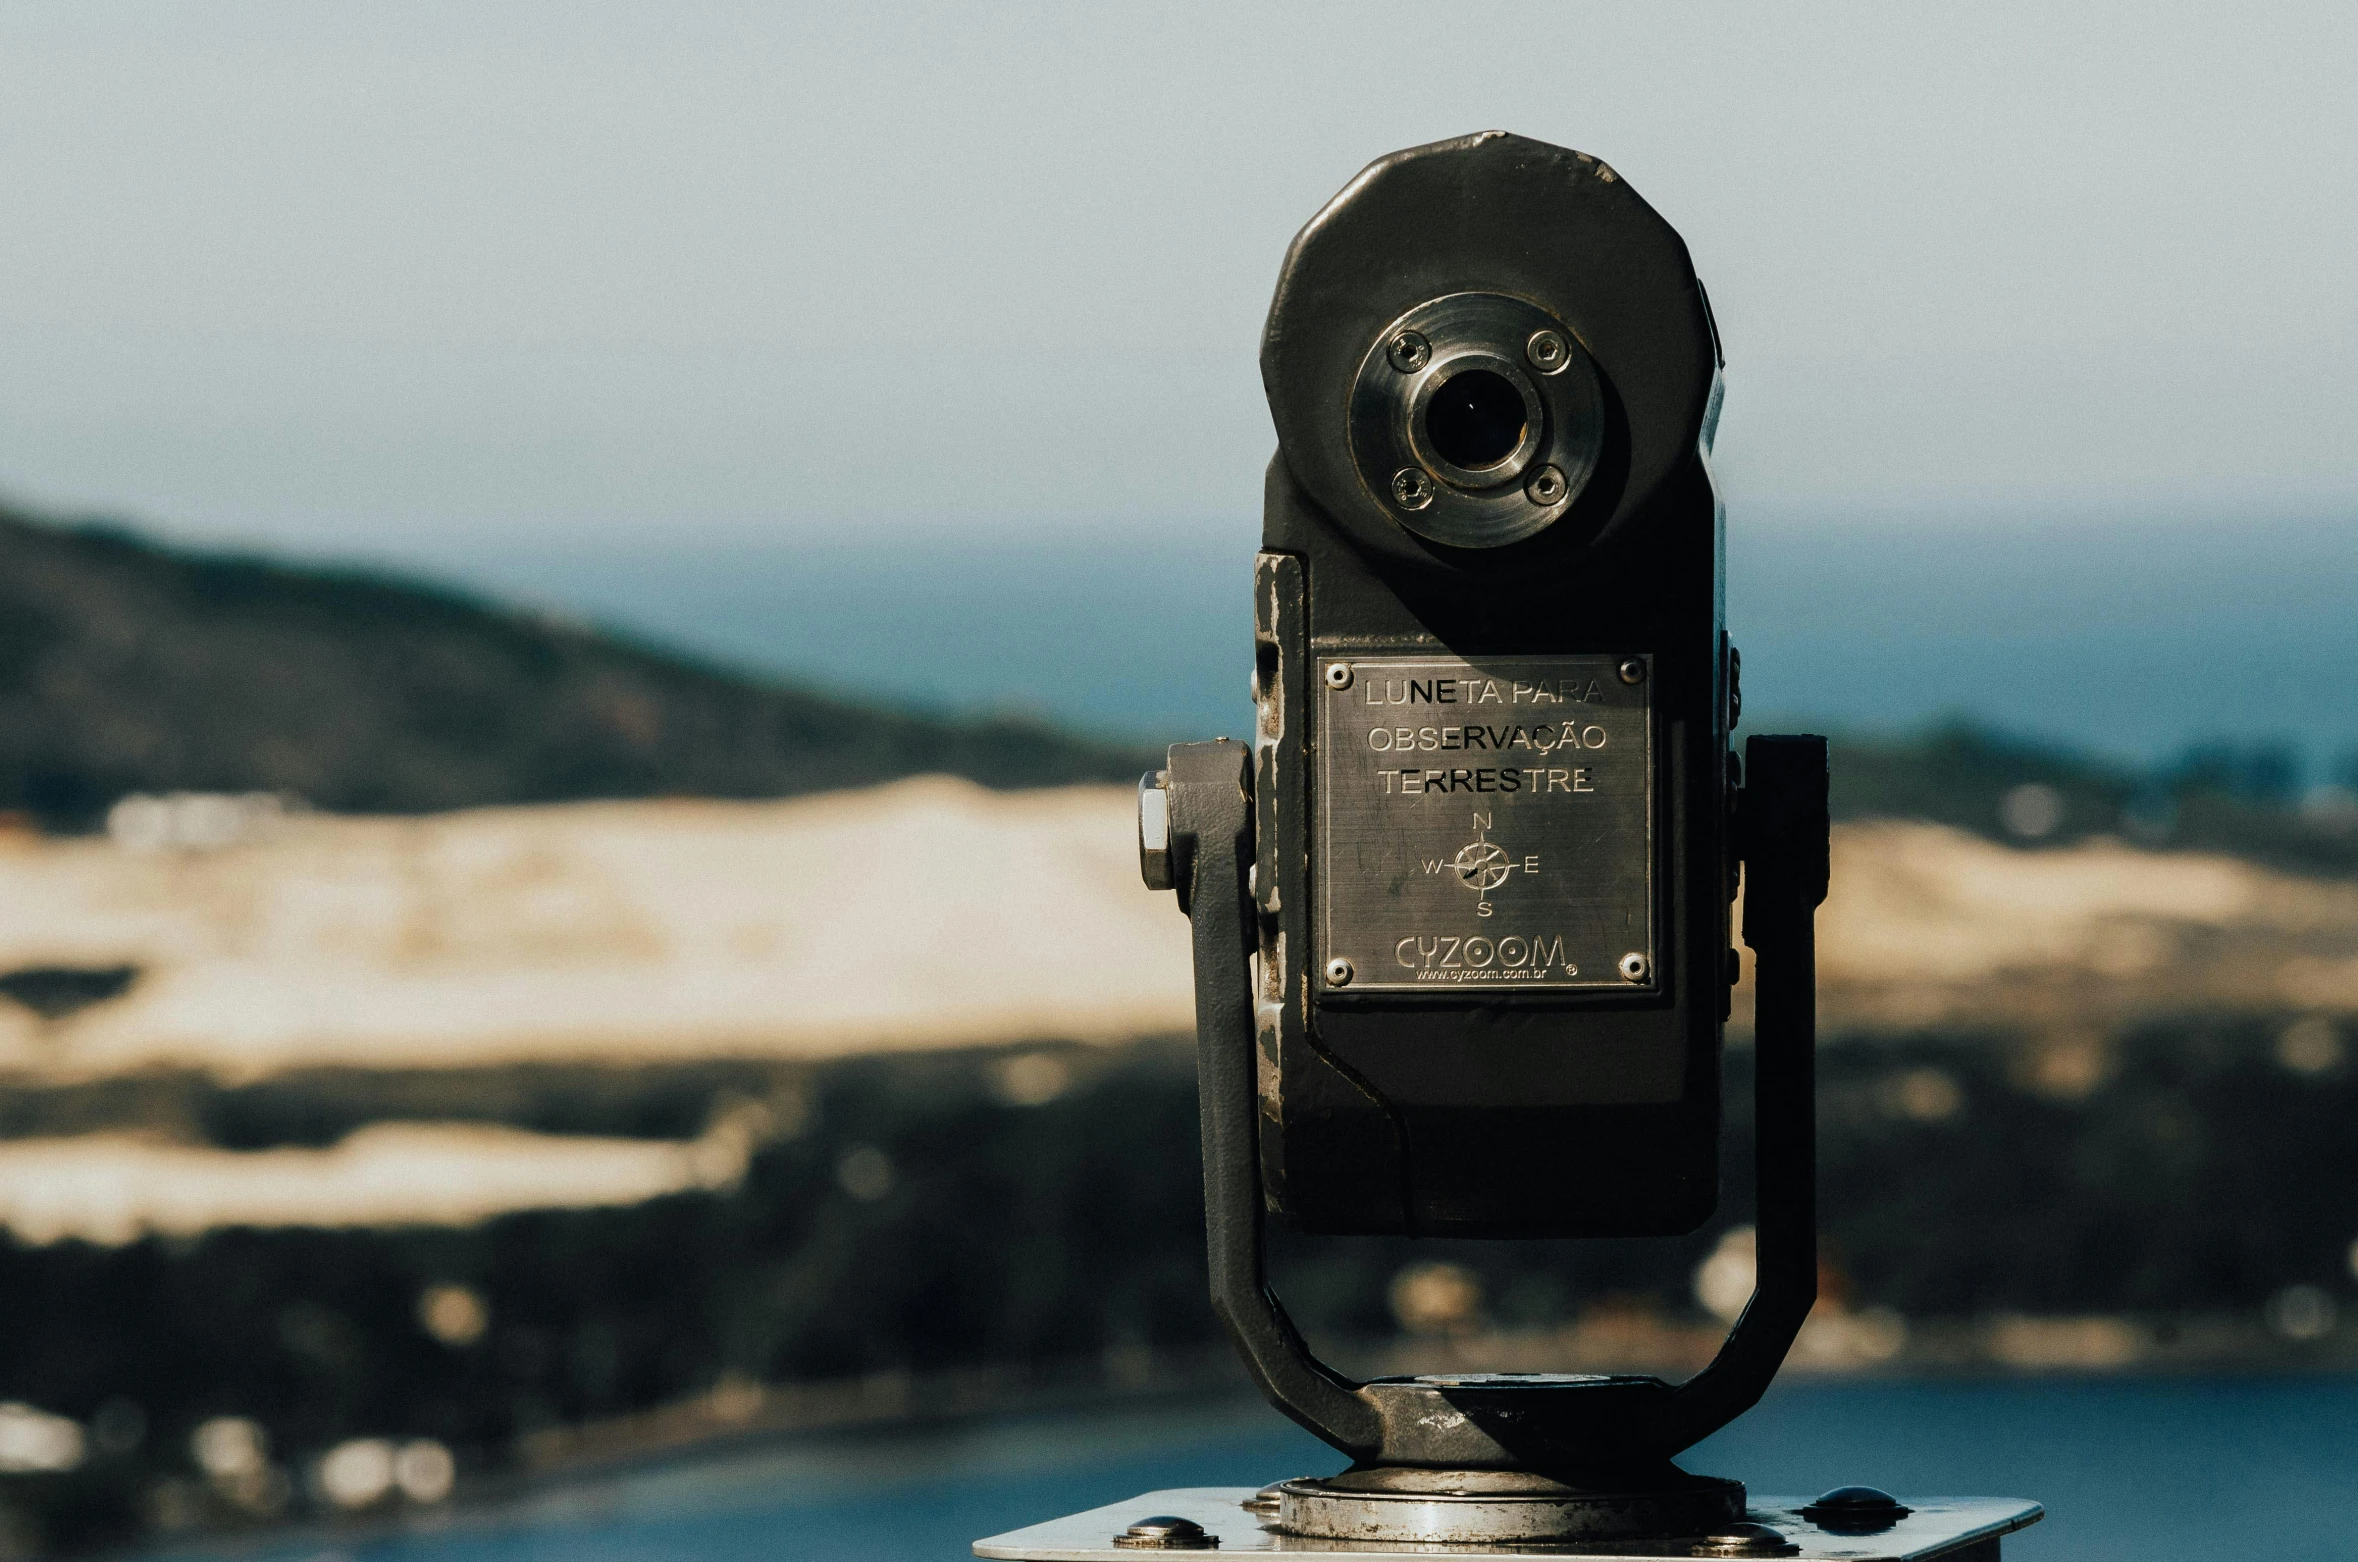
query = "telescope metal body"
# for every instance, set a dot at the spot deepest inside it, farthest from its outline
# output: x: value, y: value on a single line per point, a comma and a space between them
x: 1463, y: 908
x: 1493, y: 869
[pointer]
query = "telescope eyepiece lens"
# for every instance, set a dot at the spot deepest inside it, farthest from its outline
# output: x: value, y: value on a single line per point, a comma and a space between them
x: 1476, y: 420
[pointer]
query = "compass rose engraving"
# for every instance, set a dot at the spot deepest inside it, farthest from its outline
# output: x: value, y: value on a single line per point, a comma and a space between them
x: 1483, y: 865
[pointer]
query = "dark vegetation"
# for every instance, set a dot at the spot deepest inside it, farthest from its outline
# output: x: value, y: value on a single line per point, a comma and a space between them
x: 55, y: 991
x: 129, y: 667
x: 2198, y: 1173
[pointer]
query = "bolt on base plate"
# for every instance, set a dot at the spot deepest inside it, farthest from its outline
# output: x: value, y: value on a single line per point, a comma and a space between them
x: 1965, y: 1529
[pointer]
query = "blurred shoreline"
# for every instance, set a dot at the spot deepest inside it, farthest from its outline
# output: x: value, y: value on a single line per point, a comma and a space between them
x: 739, y: 1416
x: 2129, y: 634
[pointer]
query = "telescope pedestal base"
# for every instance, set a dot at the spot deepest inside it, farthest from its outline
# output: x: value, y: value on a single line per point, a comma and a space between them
x: 1459, y: 1507
x: 1963, y: 1529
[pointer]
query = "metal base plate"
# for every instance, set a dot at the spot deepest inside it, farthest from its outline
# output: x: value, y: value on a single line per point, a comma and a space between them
x: 1938, y: 1526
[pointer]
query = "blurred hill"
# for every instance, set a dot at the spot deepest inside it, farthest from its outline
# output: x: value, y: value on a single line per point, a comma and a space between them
x: 2244, y: 799
x: 126, y: 666
x: 131, y: 667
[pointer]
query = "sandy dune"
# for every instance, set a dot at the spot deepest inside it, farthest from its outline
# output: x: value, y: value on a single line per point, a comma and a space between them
x: 932, y: 913
x: 925, y: 914
x: 1927, y: 925
x: 114, y: 1188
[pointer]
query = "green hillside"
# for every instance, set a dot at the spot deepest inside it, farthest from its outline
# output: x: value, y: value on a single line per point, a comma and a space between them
x: 128, y: 666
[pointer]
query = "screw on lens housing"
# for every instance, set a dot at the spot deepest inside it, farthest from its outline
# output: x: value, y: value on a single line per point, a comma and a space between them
x: 1411, y: 488
x: 1408, y: 351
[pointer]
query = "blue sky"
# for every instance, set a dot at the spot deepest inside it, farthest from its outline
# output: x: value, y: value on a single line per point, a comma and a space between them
x: 770, y: 330
x: 381, y: 278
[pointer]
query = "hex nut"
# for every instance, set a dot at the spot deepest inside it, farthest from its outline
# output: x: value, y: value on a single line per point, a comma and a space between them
x: 1408, y: 351
x: 1634, y: 967
x: 1547, y: 351
x: 1339, y: 972
x: 1338, y: 675
x: 1411, y: 488
x: 1154, y: 831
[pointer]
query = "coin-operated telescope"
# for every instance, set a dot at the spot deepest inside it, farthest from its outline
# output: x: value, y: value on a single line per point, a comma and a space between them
x: 1463, y: 908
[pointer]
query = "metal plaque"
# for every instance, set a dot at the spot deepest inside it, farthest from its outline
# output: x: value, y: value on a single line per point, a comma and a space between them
x: 1485, y: 823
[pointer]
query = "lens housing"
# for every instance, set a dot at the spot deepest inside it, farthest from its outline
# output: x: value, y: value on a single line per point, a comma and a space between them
x: 1475, y: 412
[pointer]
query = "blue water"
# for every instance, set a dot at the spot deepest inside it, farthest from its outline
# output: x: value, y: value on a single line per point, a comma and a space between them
x: 2131, y: 636
x: 2156, y: 1470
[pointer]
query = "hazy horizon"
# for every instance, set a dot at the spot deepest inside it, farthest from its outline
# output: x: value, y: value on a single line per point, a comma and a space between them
x: 890, y: 349
x: 375, y: 280
x: 2123, y: 641
x: 2129, y: 643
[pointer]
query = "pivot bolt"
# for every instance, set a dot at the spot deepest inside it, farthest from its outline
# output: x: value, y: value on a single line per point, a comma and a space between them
x: 1412, y: 488
x: 1635, y: 967
x: 1338, y: 972
x: 1408, y: 351
x: 1166, y: 1532
x: 1633, y: 670
x: 1856, y: 1510
x: 1154, y: 830
x: 1547, y: 351
x: 1744, y: 1540
x: 1546, y: 486
x: 1338, y: 675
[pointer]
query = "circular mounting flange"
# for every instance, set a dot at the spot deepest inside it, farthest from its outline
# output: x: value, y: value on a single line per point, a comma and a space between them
x: 1499, y: 1507
x: 1494, y: 402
